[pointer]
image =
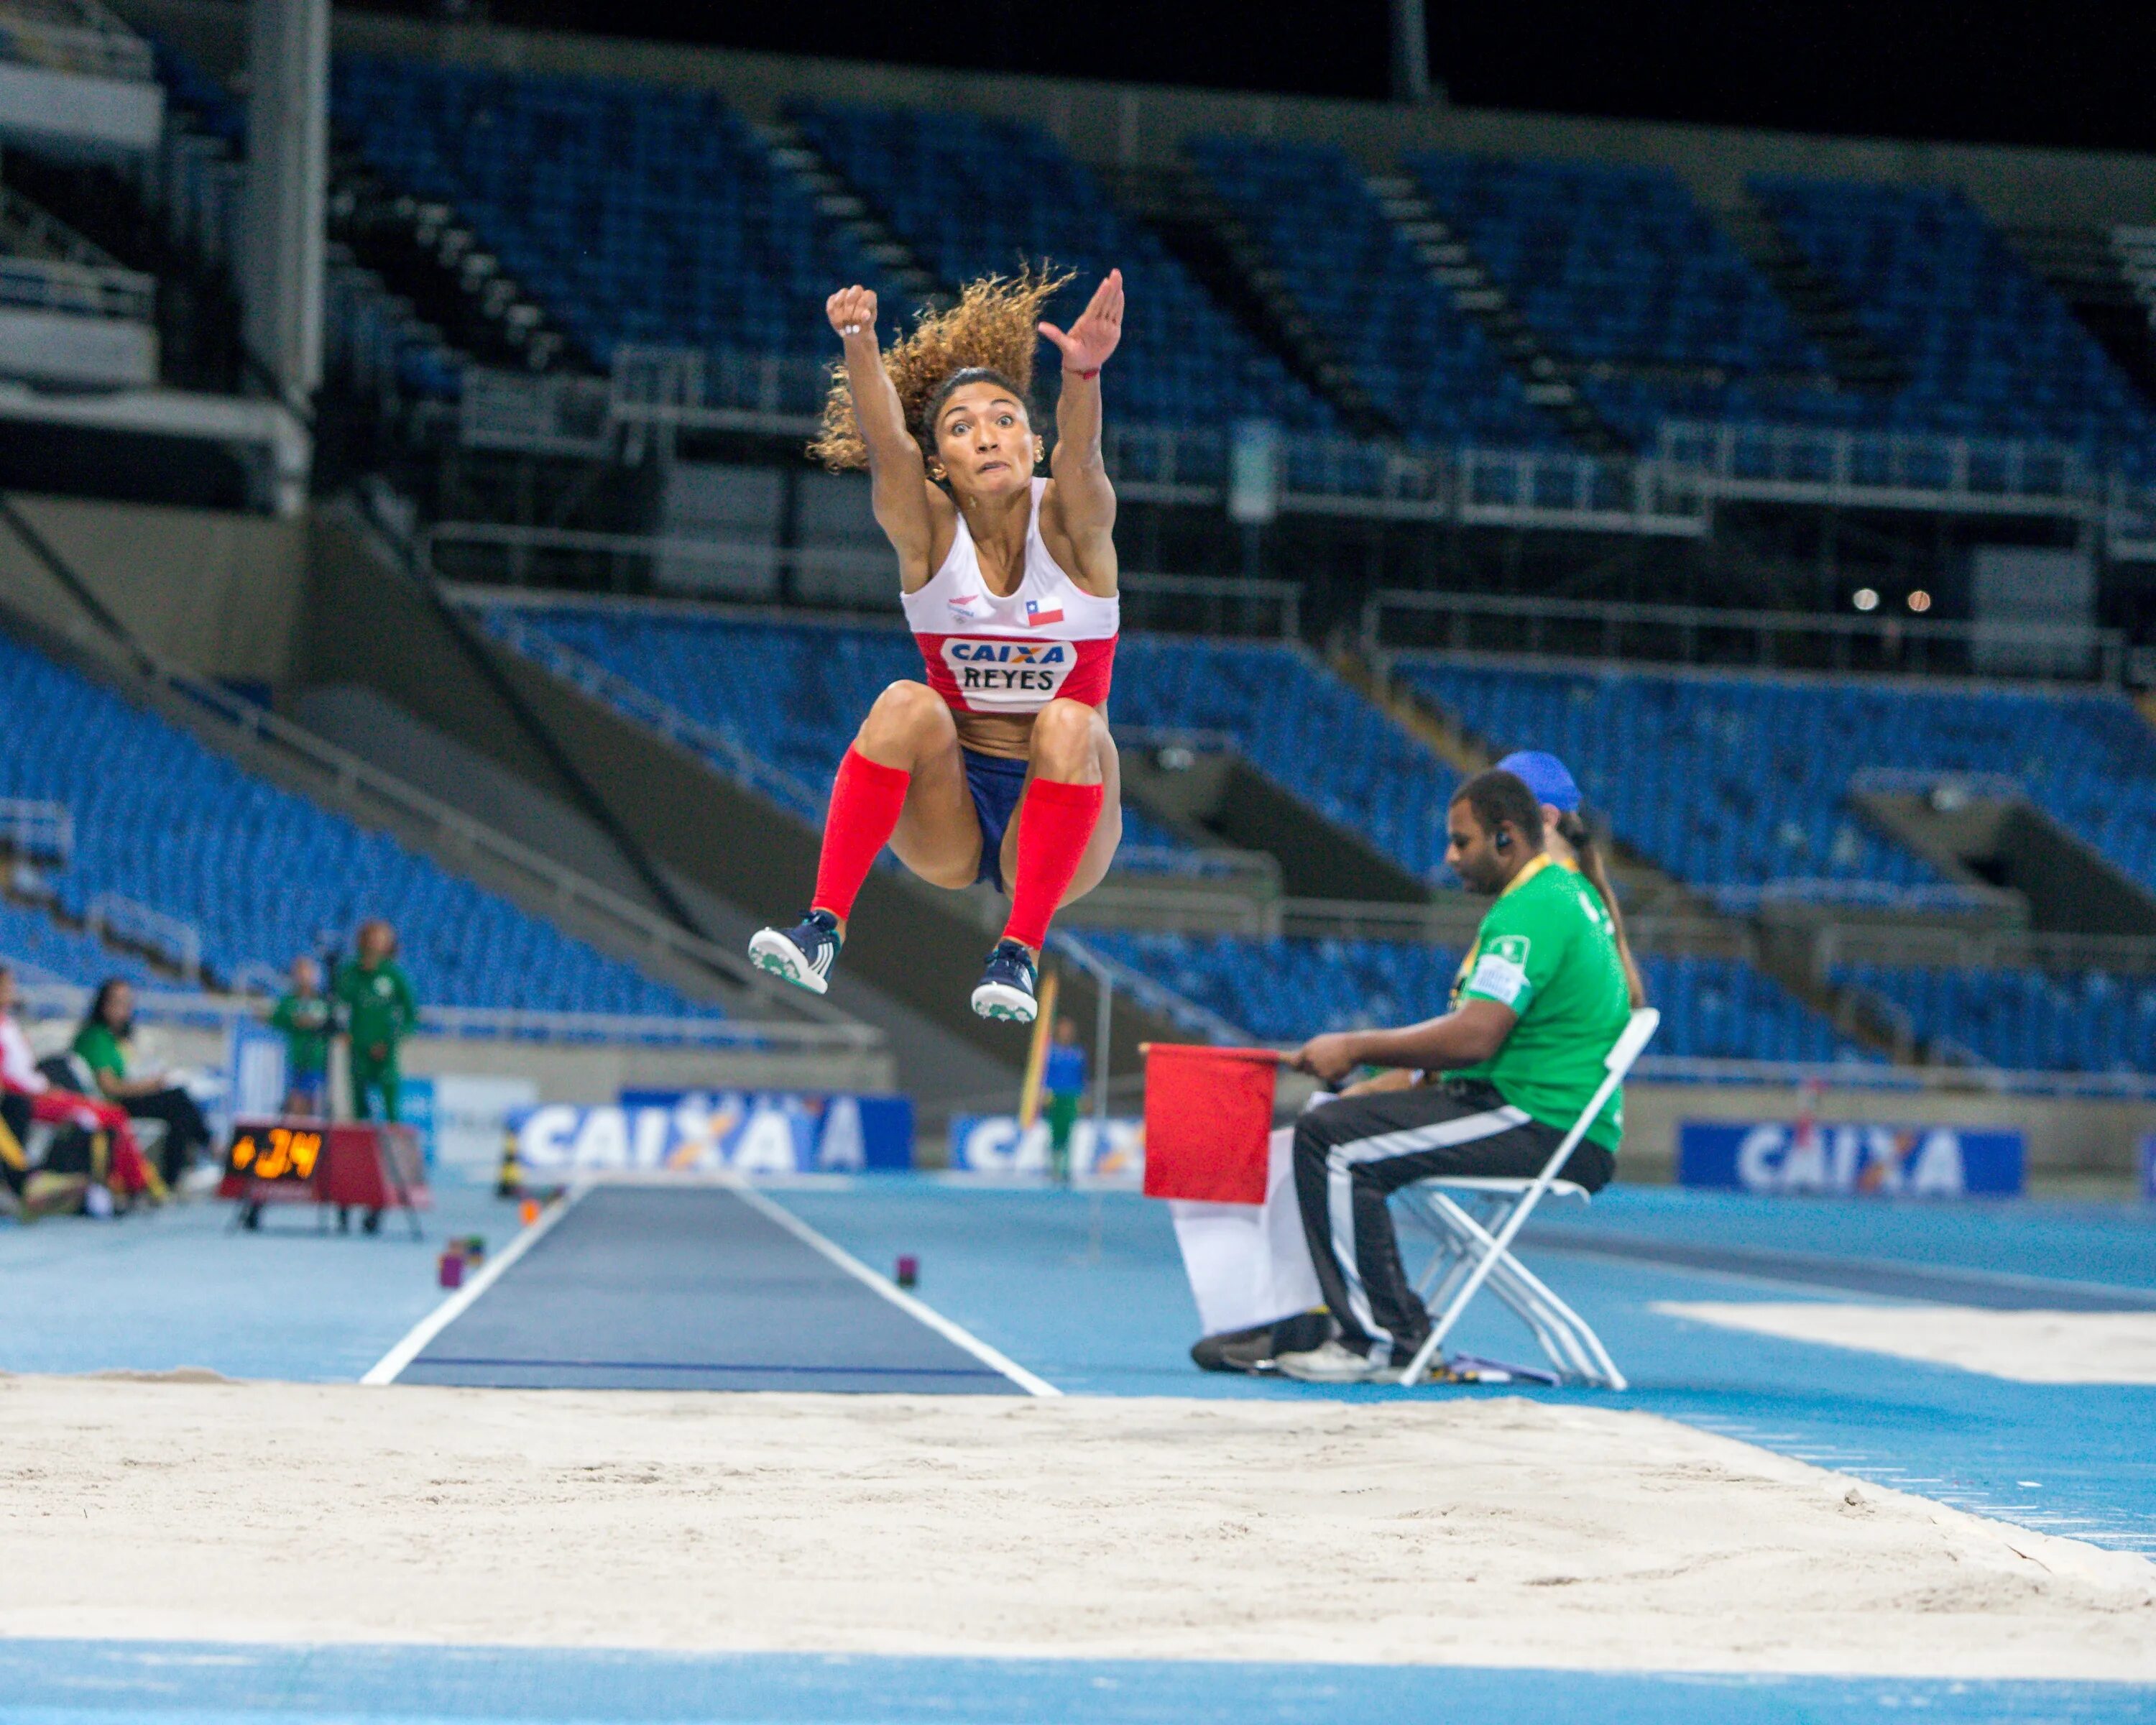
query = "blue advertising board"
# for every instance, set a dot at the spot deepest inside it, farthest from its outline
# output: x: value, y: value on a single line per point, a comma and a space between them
x: 708, y: 1131
x: 996, y: 1144
x: 1884, y: 1161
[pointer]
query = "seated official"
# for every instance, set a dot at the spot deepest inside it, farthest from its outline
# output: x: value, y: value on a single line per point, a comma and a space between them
x: 1540, y: 1000
x: 101, y: 1045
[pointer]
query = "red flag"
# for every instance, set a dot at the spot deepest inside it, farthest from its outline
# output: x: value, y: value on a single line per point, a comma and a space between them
x: 1207, y: 1112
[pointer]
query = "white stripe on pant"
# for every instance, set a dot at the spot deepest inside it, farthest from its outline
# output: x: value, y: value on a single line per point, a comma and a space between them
x: 1340, y: 1161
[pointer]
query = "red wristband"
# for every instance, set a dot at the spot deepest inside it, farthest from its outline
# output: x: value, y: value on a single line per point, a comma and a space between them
x: 1095, y: 372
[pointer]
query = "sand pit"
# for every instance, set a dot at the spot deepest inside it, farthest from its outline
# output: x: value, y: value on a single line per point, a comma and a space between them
x: 1448, y: 1530
x: 2031, y: 1347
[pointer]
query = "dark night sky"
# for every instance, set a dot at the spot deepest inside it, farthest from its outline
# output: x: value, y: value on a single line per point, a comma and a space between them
x: 2069, y: 72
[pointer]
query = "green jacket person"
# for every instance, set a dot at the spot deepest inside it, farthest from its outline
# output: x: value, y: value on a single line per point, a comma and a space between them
x: 1540, y: 1001
x: 380, y: 1011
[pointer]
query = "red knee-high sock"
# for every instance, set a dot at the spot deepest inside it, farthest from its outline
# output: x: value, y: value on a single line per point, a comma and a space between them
x: 1053, y: 829
x: 866, y: 799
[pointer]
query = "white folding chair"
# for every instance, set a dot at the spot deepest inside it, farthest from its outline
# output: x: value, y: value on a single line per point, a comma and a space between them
x: 1476, y: 1220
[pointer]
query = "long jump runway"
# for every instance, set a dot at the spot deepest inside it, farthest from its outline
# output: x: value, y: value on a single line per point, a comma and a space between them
x: 686, y: 1288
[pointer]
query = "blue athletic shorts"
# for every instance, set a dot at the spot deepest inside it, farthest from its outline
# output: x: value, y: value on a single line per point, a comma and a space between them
x: 311, y: 1088
x: 997, y: 785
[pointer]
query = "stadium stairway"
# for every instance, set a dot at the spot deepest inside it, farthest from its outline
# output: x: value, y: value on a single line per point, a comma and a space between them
x: 1454, y: 268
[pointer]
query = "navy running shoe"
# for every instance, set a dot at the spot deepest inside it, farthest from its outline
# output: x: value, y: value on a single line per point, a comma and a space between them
x: 1007, y: 986
x: 802, y: 954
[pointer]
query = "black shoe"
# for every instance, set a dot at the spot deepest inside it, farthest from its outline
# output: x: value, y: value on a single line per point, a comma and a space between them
x: 804, y: 954
x: 1006, y: 989
x: 1254, y: 1350
x: 372, y: 1223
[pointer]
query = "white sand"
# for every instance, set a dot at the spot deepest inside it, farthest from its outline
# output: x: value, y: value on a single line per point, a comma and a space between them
x: 1450, y: 1530
x: 2032, y: 1346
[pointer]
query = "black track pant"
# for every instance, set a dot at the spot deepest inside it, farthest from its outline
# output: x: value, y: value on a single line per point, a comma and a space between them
x: 1351, y: 1155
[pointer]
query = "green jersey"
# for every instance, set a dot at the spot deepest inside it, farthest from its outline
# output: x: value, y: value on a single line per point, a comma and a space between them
x: 1546, y: 949
x: 304, y: 1020
x: 379, y: 1005
x: 101, y: 1051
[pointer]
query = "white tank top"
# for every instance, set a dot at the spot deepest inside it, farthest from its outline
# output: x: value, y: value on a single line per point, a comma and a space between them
x: 986, y: 654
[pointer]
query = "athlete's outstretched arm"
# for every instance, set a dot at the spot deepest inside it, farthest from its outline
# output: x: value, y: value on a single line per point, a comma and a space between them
x: 899, y: 481
x: 1085, y: 500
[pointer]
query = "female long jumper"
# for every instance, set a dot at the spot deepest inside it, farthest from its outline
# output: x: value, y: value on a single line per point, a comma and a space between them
x: 1008, y: 584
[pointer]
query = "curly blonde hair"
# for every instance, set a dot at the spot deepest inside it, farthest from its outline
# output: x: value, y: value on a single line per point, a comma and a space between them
x: 993, y: 329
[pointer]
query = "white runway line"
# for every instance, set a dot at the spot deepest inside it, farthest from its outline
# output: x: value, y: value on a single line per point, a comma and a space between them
x: 386, y: 1369
x: 913, y: 1308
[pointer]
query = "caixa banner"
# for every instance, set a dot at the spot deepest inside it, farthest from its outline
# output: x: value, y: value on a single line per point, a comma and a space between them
x: 704, y: 1132
x: 1888, y: 1161
x: 996, y: 1144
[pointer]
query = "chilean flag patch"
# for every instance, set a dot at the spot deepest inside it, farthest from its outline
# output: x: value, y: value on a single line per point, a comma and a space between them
x: 1035, y: 617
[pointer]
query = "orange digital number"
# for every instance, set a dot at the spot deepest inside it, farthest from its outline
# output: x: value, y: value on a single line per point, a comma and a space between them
x: 243, y: 1150
x: 272, y: 1167
x: 306, y: 1151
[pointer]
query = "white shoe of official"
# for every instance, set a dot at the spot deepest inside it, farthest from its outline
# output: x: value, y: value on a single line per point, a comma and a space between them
x: 1332, y: 1363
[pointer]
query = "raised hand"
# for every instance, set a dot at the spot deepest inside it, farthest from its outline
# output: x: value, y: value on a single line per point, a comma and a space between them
x: 852, y: 311
x: 1099, y: 328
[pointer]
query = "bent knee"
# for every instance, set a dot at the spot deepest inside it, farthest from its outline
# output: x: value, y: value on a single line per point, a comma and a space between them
x: 907, y: 708
x: 1065, y: 728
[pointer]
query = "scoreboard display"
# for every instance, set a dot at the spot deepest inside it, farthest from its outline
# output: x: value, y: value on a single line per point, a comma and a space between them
x: 366, y: 1165
x: 275, y: 1154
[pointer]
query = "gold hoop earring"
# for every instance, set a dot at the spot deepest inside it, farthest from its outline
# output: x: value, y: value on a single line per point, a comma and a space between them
x: 937, y: 471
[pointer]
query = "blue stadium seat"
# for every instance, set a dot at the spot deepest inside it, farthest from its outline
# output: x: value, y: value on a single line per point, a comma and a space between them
x: 1730, y: 781
x: 972, y: 196
x: 263, y: 874
x: 1427, y: 366
x: 635, y: 213
x: 1991, y: 351
x: 2026, y: 1020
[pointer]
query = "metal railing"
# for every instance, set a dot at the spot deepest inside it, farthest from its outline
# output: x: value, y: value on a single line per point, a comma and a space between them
x: 1818, y: 463
x: 77, y: 289
x: 652, y: 392
x: 72, y: 36
x: 128, y: 922
x: 1395, y: 621
x: 727, y: 753
x: 1838, y: 947
x: 486, y: 553
x: 1861, y: 1075
x: 35, y: 828
x: 60, y: 999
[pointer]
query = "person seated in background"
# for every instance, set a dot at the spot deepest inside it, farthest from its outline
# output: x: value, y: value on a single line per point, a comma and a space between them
x: 128, y: 1175
x: 101, y: 1045
x: 302, y: 1013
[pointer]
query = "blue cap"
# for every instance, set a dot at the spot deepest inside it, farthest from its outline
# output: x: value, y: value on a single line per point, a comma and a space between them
x: 1548, y: 777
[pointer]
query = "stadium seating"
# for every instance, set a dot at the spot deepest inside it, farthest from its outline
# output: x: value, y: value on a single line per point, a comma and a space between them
x: 1991, y: 351
x: 263, y: 874
x: 792, y: 695
x: 635, y: 213
x: 41, y: 951
x: 972, y: 195
x: 1730, y: 781
x: 1621, y: 271
x: 1427, y: 365
x: 1284, y: 990
x: 2026, y: 1020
